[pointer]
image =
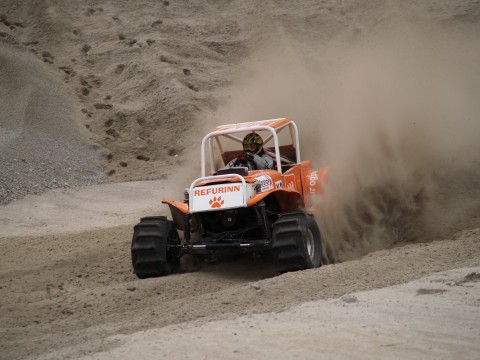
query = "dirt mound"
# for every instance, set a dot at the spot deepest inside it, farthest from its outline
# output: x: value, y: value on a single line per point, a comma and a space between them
x: 72, y: 291
x: 364, y: 325
x: 141, y: 74
x: 149, y: 79
x: 41, y: 144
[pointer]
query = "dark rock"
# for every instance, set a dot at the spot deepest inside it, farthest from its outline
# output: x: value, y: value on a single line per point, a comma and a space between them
x: 9, y: 39
x: 113, y: 133
x: 102, y: 106
x: 143, y: 158
x: 193, y: 87
x: 67, y: 70
x: 86, y: 48
x: 119, y: 69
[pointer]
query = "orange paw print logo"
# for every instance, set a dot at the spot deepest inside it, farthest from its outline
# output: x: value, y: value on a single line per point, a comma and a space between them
x: 216, y: 203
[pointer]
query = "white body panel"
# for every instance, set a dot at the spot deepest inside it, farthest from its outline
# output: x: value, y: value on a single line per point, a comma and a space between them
x: 229, y: 195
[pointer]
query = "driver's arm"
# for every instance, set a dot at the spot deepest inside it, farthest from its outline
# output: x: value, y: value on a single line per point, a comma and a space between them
x: 231, y: 163
x: 263, y: 162
x: 240, y: 158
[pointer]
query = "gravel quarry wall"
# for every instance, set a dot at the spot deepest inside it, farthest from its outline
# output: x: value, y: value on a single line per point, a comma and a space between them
x: 42, y: 146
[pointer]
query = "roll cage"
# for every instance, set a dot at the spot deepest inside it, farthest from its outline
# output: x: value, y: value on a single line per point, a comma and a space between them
x: 273, y: 126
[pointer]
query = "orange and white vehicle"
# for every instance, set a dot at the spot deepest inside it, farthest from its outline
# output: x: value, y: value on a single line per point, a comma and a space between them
x: 238, y: 208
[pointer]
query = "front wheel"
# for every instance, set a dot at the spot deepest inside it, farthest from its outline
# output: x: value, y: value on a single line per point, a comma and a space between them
x: 297, y: 243
x: 155, y: 247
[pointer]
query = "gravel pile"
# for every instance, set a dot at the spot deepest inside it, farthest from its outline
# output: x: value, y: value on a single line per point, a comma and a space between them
x: 49, y: 164
x: 41, y: 145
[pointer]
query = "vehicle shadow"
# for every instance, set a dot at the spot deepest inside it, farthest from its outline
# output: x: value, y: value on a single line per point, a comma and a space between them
x: 246, y: 267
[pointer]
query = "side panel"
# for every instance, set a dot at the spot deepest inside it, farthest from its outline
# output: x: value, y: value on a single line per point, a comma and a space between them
x: 181, y: 206
x: 314, y: 182
x: 178, y: 210
x: 288, y: 200
x: 178, y: 217
x: 292, y: 179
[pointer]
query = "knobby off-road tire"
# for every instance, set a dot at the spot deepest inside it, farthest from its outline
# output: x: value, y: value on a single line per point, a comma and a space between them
x: 151, y: 255
x: 297, y: 243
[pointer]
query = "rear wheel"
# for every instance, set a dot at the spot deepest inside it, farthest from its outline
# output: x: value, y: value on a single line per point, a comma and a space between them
x: 153, y: 247
x: 297, y: 243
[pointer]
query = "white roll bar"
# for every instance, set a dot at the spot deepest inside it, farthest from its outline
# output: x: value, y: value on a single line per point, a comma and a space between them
x: 273, y: 134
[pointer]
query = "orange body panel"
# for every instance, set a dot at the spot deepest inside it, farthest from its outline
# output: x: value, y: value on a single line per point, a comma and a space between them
x: 295, y: 189
x: 288, y: 200
x: 183, y: 207
x: 313, y: 182
x: 292, y: 179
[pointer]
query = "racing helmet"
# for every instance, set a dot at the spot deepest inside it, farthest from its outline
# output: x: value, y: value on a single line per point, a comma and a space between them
x: 252, y: 143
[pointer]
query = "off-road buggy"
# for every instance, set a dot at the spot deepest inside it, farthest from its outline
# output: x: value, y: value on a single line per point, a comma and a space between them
x: 239, y: 209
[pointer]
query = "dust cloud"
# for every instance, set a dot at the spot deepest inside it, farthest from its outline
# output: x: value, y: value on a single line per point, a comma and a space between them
x: 393, y: 112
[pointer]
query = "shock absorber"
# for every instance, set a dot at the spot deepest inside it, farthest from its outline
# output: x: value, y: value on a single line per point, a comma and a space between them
x: 267, y: 234
x: 186, y: 233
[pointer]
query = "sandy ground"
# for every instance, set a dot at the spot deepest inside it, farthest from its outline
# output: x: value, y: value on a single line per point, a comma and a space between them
x: 137, y: 83
x: 64, y: 294
x: 73, y: 210
x: 396, y: 322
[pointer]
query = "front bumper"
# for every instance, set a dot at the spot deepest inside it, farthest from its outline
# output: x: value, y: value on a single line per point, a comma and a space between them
x: 232, y: 246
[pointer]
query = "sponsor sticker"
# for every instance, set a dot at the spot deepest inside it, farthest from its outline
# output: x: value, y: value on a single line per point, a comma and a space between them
x: 313, y: 180
x: 265, y: 182
x: 290, y: 181
x: 214, y: 190
x: 278, y: 184
x: 216, y: 202
x: 216, y: 197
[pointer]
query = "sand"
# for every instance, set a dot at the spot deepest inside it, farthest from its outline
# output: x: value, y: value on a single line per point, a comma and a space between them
x: 68, y: 291
x: 384, y: 92
x: 396, y: 322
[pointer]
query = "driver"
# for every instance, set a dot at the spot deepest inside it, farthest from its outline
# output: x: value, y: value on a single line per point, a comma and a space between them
x: 253, y: 152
